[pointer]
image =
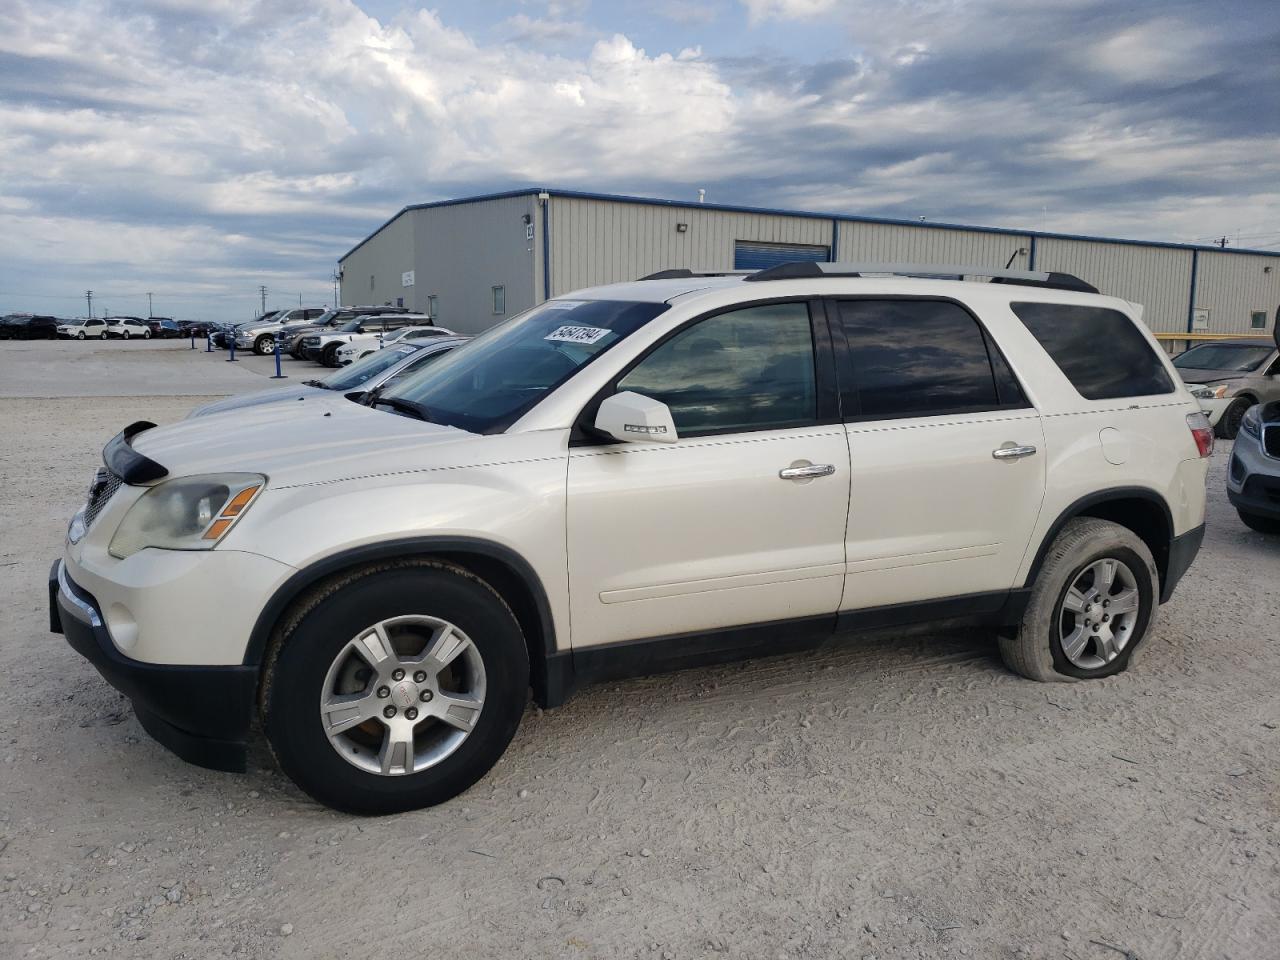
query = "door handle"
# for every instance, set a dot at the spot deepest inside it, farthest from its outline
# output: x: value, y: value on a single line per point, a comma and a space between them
x: 808, y: 472
x: 1012, y: 451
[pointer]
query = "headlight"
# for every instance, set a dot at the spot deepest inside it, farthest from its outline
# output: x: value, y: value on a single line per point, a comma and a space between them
x: 1210, y: 392
x: 1251, y: 422
x: 189, y: 513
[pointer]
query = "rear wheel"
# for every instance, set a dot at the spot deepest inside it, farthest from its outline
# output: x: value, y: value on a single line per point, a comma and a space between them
x: 1090, y: 607
x: 395, y: 687
x: 125, y: 335
x: 264, y: 344
x: 1229, y: 424
x: 1260, y: 523
x: 146, y: 334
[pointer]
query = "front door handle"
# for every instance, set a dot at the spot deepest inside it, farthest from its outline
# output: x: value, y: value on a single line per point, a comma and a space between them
x: 1012, y: 451
x: 807, y: 472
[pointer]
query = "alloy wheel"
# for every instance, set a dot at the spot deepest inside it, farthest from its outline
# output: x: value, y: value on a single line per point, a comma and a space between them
x: 1098, y: 614
x: 403, y: 695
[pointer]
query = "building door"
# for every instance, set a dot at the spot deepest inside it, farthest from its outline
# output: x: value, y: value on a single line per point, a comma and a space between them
x: 750, y: 255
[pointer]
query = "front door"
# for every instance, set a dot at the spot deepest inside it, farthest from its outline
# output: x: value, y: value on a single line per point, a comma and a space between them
x: 947, y: 455
x: 741, y: 521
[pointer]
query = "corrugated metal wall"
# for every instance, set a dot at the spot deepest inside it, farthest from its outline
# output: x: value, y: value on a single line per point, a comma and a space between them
x: 464, y: 250
x: 372, y: 274
x: 599, y: 241
x: 1233, y: 285
x: 894, y: 243
x: 1156, y: 277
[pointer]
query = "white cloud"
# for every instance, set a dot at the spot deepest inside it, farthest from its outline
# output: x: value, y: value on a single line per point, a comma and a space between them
x: 760, y: 10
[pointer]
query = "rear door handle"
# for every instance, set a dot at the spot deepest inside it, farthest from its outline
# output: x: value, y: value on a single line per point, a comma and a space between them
x: 1012, y: 451
x: 807, y: 473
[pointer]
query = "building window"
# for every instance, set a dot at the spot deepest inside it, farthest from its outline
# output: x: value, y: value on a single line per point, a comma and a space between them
x: 1258, y: 320
x: 499, y: 299
x: 433, y: 306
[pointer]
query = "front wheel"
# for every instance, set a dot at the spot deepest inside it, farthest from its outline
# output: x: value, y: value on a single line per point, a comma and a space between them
x: 395, y: 687
x: 264, y: 344
x: 329, y: 357
x: 1229, y: 424
x: 146, y: 334
x: 1255, y: 521
x: 80, y: 335
x: 1091, y: 605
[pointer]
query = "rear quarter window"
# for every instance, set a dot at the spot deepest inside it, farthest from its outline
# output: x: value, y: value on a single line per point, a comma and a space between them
x: 1099, y: 350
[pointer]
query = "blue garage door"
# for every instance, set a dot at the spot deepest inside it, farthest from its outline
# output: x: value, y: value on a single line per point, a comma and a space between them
x: 750, y: 255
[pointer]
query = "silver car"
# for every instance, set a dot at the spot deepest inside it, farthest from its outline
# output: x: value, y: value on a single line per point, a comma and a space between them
x: 1230, y: 376
x: 1253, y: 476
x: 358, y: 381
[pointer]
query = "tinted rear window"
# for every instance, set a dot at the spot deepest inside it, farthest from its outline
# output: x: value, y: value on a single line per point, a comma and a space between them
x: 1101, y: 352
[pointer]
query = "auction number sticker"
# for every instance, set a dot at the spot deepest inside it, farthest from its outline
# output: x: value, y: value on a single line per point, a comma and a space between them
x: 571, y: 334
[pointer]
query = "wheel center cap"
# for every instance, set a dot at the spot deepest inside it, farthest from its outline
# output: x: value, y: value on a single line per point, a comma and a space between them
x: 404, y: 693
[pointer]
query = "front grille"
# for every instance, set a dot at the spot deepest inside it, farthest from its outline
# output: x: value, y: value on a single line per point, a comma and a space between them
x: 1271, y: 441
x: 104, y: 487
x: 1261, y: 487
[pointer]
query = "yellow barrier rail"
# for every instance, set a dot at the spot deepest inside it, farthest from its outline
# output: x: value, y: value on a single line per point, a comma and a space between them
x: 1261, y: 335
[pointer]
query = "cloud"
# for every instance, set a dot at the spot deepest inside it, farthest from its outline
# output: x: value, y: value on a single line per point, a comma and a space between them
x: 236, y: 143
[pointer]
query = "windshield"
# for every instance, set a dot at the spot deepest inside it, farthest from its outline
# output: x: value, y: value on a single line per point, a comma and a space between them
x: 363, y: 370
x: 351, y: 326
x: 490, y: 383
x: 1236, y: 357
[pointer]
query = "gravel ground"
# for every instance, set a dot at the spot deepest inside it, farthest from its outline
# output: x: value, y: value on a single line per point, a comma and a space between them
x: 893, y: 796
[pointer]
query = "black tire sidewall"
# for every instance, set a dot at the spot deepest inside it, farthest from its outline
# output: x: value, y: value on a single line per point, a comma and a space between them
x: 1147, y: 590
x: 1231, y: 418
x: 329, y: 356
x: 260, y: 345
x: 292, y: 715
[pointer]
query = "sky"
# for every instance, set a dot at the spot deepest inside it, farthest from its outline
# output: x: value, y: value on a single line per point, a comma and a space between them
x: 199, y: 148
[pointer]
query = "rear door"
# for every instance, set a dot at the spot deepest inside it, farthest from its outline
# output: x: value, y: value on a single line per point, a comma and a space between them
x: 946, y: 454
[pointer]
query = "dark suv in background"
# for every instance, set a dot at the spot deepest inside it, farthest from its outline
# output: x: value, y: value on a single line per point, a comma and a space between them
x: 18, y: 326
x: 331, y: 320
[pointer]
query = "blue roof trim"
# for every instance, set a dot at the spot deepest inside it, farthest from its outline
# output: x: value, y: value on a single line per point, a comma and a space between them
x: 781, y: 212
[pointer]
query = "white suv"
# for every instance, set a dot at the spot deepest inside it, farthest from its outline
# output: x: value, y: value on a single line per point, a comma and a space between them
x: 632, y: 478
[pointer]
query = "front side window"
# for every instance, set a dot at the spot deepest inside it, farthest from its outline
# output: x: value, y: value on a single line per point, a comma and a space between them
x: 1101, y: 352
x: 920, y: 358
x: 752, y: 369
x: 488, y: 384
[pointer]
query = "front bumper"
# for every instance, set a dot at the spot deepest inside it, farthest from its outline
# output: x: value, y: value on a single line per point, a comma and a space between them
x: 200, y: 713
x: 1215, y: 408
x: 1253, y: 478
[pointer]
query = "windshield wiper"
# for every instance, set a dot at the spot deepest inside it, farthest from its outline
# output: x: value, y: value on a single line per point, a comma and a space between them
x: 316, y: 383
x: 404, y: 406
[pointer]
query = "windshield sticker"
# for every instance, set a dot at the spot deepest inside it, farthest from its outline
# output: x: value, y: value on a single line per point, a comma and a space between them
x: 570, y: 334
x: 562, y: 304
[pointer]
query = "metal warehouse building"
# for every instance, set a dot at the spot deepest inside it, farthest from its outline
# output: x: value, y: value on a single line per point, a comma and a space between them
x: 470, y: 262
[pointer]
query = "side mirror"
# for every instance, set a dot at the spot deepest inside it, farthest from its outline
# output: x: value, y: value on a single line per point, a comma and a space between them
x: 635, y: 418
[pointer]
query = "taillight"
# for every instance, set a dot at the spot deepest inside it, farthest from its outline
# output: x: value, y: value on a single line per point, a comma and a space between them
x: 1202, y: 430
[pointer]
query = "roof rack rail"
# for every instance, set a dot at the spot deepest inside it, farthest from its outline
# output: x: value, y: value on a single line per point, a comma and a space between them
x: 684, y: 273
x: 1028, y: 278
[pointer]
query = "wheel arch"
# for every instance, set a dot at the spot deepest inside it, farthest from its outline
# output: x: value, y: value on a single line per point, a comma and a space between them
x: 501, y: 567
x: 1140, y: 509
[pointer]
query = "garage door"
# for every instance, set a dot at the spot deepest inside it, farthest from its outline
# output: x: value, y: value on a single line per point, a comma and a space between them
x: 750, y: 255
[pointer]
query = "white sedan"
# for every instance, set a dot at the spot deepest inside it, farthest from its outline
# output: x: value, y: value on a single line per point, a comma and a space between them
x: 370, y: 343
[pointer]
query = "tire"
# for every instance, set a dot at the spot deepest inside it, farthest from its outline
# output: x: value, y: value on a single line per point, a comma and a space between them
x: 329, y: 356
x: 146, y: 334
x: 264, y: 344
x: 1037, y: 649
x: 102, y: 335
x: 80, y: 335
x: 1255, y: 521
x: 125, y: 335
x: 321, y: 631
x: 1229, y: 423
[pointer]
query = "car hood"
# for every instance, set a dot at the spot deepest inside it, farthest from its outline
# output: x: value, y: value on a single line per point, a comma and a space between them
x: 1193, y: 375
x: 317, y: 440
x: 277, y: 395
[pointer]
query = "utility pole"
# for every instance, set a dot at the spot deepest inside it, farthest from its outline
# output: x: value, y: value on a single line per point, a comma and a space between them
x: 1223, y: 243
x: 335, y: 278
x: 88, y: 296
x: 262, y: 292
x: 149, y: 313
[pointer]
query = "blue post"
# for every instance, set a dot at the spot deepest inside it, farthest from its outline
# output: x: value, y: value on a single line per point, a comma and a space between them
x: 231, y: 340
x: 208, y: 340
x: 279, y: 375
x: 193, y: 338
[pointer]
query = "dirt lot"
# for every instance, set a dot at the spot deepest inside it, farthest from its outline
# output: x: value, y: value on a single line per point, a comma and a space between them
x: 888, y: 797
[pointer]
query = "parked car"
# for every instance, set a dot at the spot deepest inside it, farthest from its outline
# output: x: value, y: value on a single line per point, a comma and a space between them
x: 323, y: 346
x: 1230, y: 376
x: 197, y: 328
x: 332, y: 319
x: 28, y: 327
x: 366, y: 344
x: 84, y: 328
x: 128, y: 328
x: 1253, y: 474
x: 164, y: 327
x: 223, y: 332
x: 261, y: 337
x: 630, y: 478
x: 355, y: 382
